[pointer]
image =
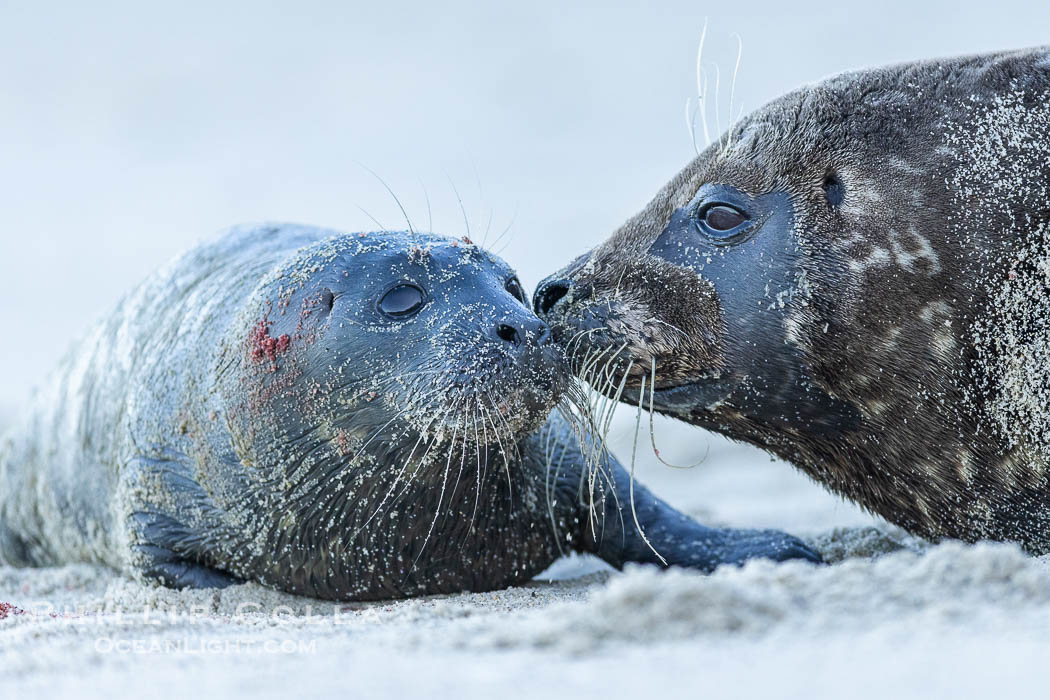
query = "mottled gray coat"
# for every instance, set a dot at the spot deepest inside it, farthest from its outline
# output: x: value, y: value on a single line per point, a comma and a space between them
x: 882, y: 320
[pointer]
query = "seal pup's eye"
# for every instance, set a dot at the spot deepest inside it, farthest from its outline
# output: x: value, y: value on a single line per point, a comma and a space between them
x: 514, y: 287
x: 718, y: 220
x: 402, y: 301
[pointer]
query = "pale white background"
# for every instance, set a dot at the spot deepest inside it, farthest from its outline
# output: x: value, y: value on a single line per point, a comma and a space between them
x: 128, y: 132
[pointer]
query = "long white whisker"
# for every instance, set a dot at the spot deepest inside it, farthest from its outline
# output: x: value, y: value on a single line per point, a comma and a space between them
x: 462, y: 209
x: 652, y: 427
x: 426, y: 196
x: 404, y: 213
x: 437, y: 510
x: 732, y: 89
x: 634, y: 453
x: 701, y: 86
x: 377, y: 222
x: 718, y: 109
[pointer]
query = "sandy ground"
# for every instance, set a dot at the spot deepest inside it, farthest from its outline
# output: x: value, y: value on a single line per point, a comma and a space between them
x: 891, y: 617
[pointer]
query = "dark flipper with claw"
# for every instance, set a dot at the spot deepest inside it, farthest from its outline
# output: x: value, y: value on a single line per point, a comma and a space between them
x: 167, y: 550
x: 661, y: 534
x: 666, y: 537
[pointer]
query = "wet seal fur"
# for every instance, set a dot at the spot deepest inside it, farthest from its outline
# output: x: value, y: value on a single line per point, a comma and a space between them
x: 857, y: 279
x: 254, y: 412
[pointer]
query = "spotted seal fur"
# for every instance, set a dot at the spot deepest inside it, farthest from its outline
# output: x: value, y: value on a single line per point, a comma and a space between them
x: 856, y: 278
x: 346, y: 416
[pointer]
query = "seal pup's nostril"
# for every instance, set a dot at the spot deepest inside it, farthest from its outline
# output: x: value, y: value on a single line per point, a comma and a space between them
x: 549, y: 294
x: 509, y: 333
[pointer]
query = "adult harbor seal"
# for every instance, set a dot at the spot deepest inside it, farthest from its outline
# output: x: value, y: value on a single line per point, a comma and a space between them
x: 355, y: 416
x: 856, y: 279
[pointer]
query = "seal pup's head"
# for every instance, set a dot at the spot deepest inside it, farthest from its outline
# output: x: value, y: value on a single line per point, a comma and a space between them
x: 376, y: 388
x: 823, y: 283
x: 420, y: 331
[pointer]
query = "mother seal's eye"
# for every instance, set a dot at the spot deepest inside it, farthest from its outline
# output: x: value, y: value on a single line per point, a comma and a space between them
x: 514, y: 287
x: 722, y: 218
x: 402, y: 301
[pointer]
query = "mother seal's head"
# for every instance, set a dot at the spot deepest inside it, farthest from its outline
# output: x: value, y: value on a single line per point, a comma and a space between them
x: 857, y: 278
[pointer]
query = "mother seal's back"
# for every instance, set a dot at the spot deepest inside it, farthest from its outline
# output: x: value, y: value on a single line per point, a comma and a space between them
x: 857, y: 278
x: 351, y: 416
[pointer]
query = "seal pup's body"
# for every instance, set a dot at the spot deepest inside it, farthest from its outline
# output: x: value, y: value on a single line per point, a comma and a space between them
x: 354, y: 416
x: 857, y: 279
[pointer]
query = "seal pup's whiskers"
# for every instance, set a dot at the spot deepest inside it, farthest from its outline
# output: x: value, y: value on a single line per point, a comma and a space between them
x: 505, y: 231
x: 420, y: 466
x: 322, y: 445
x: 411, y: 229
x: 592, y: 421
x: 462, y: 209
x: 502, y: 448
x: 481, y: 198
x: 375, y: 220
x: 393, y: 485
x: 426, y: 197
x: 467, y: 424
x: 437, y: 509
x: 477, y: 454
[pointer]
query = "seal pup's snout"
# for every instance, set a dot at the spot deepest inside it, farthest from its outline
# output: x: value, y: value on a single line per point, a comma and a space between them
x: 524, y: 332
x: 533, y: 367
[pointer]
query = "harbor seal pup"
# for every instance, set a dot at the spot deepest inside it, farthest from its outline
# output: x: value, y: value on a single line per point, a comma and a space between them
x: 350, y: 417
x: 856, y: 278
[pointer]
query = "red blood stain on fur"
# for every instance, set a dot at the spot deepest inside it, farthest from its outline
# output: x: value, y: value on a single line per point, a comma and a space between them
x: 7, y: 609
x: 343, y: 442
x: 264, y: 346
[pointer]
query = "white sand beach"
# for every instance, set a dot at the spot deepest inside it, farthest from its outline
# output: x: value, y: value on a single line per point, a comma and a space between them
x: 889, y: 617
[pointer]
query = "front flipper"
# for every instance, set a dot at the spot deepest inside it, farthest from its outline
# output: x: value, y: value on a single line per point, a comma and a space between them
x: 179, y: 573
x: 157, y: 559
x: 661, y: 535
x: 174, y: 546
x: 666, y: 537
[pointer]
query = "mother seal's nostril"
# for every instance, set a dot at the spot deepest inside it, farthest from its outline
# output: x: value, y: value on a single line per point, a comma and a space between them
x: 509, y: 333
x: 549, y: 294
